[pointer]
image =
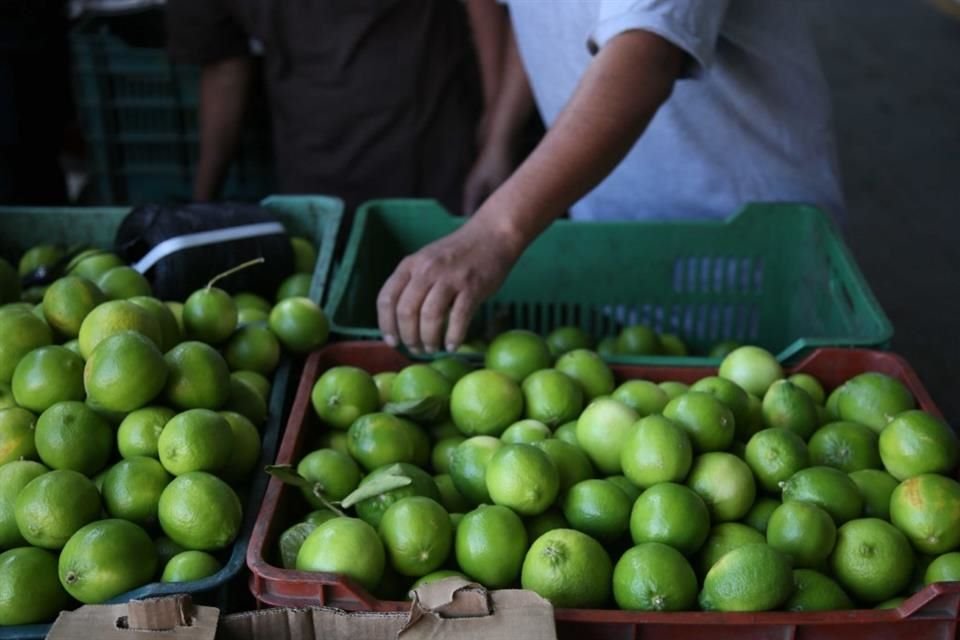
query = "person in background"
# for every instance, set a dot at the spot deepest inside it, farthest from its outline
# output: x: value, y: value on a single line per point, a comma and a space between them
x: 656, y: 109
x: 379, y: 98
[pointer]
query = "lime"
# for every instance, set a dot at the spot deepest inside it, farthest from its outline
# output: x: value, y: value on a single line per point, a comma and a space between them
x: 873, y: 399
x: 485, y: 402
x: 754, y: 369
x: 417, y: 534
x: 248, y: 300
x: 568, y: 568
x: 67, y: 302
x: 379, y: 439
x: 708, y: 422
x: 517, y: 354
x: 892, y: 603
x: 200, y: 511
x: 131, y: 490
x: 188, y: 566
x: 638, y: 340
x: 787, y: 406
x: 257, y: 381
x: 125, y: 372
x: 209, y: 315
x: 245, y: 399
x: 526, y: 431
x: 672, y: 514
x: 199, y: 377
x: 343, y: 394
x: 848, y: 446
x: 731, y: 395
x: 334, y: 474
x: 568, y: 433
x: 915, y: 443
x: 809, y: 384
x: 598, y: 508
x: 45, y: 376
x: 803, y: 531
x: 475, y: 345
x: 245, y: 452
x: 564, y: 339
x: 295, y: 286
x: 292, y: 539
x: 304, y: 254
x: 41, y: 255
x: 723, y: 348
x: 170, y: 332
x: 633, y: 491
x: 654, y: 577
x: 522, y: 477
x: 384, y: 381
x: 828, y: 488
x: 759, y: 515
x: 672, y: 345
x: 248, y: 316
x: 643, y: 396
x: 6, y: 396
x: 468, y: 467
x: 872, y: 559
x: 113, y: 317
x: 14, y: 476
x: 450, y: 498
x: 20, y: 333
x: 418, y: 382
x: 814, y: 591
x: 442, y: 453
x: 452, y: 367
x: 51, y: 507
x: 106, y: 558
x: 70, y: 435
x: 722, y: 539
x: 437, y: 576
x: 944, y: 568
x: 140, y: 430
x: 166, y: 549
x: 673, y: 389
x: 371, y: 510
x: 17, y: 439
x: 30, y: 590
x: 549, y: 520
x: 603, y: 430
x: 876, y: 487
x: 927, y: 509
x: 300, y: 324
x: 754, y: 577
x: 725, y: 483
x: 195, y: 440
x: 607, y: 347
x: 657, y: 451
x: 120, y: 283
x: 491, y: 542
x: 318, y: 517
x: 572, y: 463
x: 587, y: 368
x: 552, y: 397
x: 92, y: 264
x: 254, y: 348
x: 774, y: 455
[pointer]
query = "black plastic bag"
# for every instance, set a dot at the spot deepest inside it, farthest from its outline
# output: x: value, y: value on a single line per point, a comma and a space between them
x: 179, y: 248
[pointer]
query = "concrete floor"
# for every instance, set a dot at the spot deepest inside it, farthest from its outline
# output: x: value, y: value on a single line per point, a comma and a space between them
x: 894, y: 67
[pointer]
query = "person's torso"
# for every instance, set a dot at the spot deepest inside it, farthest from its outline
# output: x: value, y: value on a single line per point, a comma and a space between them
x: 753, y: 126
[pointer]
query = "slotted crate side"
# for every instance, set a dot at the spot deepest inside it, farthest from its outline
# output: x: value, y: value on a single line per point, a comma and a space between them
x: 777, y: 275
x: 931, y: 613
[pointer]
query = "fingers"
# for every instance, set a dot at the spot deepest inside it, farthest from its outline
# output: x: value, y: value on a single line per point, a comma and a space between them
x: 459, y: 320
x: 387, y: 304
x: 408, y: 312
x: 433, y: 314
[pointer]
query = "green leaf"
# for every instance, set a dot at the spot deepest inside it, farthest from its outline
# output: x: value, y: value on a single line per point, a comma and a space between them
x: 287, y: 474
x: 424, y: 409
x: 389, y: 480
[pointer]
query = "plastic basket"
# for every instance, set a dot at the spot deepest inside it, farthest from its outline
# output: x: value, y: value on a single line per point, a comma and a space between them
x: 776, y: 275
x: 139, y: 115
x: 931, y: 613
x: 315, y: 217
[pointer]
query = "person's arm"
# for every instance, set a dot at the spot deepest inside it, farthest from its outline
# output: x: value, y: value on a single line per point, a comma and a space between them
x: 442, y: 284
x: 488, y: 25
x: 504, y: 120
x: 224, y: 88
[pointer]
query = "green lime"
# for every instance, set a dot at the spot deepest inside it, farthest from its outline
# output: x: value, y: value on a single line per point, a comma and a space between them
x: 120, y: 283
x: 753, y: 369
x: 643, y: 396
x: 106, y: 558
x: 754, y: 577
x: 872, y: 560
x: 638, y: 340
x: 436, y: 576
x: 944, y: 568
x: 873, y: 399
x: 914, y: 443
x: 304, y: 254
x: 587, y: 368
x: 248, y: 300
x: 568, y: 568
x: 246, y: 400
x: 45, y: 376
x: 759, y: 515
x: 292, y: 539
x: 166, y: 549
x: 200, y: 511
x: 199, y: 377
x: 672, y: 345
x: 552, y: 397
x: 17, y: 441
x: 371, y: 510
x: 927, y: 509
x: 568, y: 433
x: 417, y: 534
x: 603, y: 430
x: 384, y: 381
x: 67, y: 302
x: 725, y: 483
x: 522, y: 477
x: 732, y: 396
x: 571, y: 462
x: 633, y: 491
x: 442, y: 453
x: 450, y: 498
x: 787, y: 406
x: 847, y: 446
x: 245, y: 452
x: 774, y: 455
x: 139, y: 432
x: 253, y: 348
x: 549, y: 520
x: 195, y: 440
x: 491, y: 542
x: 41, y: 255
x: 334, y: 474
x: 830, y: 489
x: 131, y: 490
x: 189, y: 566
x: 564, y: 339
x: 70, y: 435
x: 14, y: 476
x: 170, y: 332
x: 300, y: 324
x: 379, y: 439
x: 876, y: 487
x: 51, y: 507
x: 517, y: 354
x: 722, y: 539
x: 452, y: 367
x: 295, y: 286
x: 343, y: 394
x: 20, y: 333
x: 209, y: 315
x: 708, y: 422
x: 814, y: 591
x: 598, y: 508
x: 657, y: 451
x: 344, y: 545
x: 809, y: 384
x: 113, y: 317
x: 803, y: 531
x: 125, y: 372
x: 468, y: 467
x: 654, y: 577
x: 673, y: 389
x: 485, y: 402
x: 30, y: 590
x: 672, y: 514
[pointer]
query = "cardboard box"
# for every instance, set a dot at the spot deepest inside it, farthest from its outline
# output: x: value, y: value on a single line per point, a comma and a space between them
x: 453, y: 608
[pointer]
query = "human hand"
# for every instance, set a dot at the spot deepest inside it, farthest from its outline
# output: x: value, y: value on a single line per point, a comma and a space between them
x: 491, y: 169
x: 443, y: 284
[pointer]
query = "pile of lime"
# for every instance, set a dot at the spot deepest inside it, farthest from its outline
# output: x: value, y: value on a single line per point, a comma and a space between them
x: 128, y: 425
x: 750, y: 490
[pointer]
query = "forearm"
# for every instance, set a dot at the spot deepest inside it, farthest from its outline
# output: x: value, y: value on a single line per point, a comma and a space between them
x: 224, y: 87
x: 616, y: 98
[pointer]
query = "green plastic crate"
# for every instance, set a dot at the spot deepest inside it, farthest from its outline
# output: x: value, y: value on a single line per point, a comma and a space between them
x: 315, y: 217
x: 776, y: 275
x: 139, y: 117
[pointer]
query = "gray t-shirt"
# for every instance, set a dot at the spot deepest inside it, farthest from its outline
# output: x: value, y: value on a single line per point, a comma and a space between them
x: 750, y: 121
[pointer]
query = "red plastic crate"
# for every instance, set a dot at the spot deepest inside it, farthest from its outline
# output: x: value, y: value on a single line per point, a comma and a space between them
x: 931, y: 613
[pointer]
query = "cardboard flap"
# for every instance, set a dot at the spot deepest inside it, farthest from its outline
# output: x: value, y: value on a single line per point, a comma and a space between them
x: 456, y: 608
x: 173, y: 617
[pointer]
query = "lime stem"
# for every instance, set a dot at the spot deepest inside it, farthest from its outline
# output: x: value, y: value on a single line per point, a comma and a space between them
x: 239, y: 267
x: 326, y: 503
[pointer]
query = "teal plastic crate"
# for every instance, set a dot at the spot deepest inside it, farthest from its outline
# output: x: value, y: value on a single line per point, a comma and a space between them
x: 776, y: 275
x: 315, y: 217
x: 138, y: 111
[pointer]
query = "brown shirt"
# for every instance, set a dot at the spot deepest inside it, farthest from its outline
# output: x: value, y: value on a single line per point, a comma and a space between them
x: 369, y: 98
